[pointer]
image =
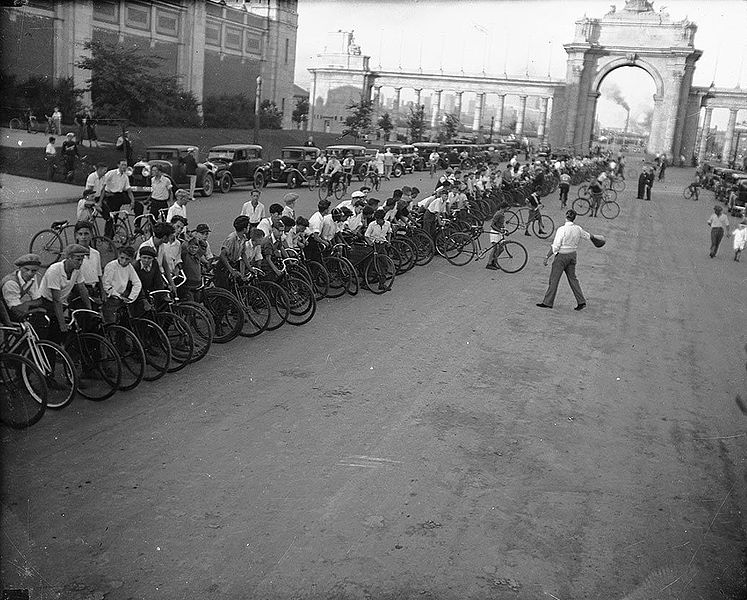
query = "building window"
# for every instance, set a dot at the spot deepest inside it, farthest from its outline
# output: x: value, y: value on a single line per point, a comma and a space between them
x: 237, y: 16
x: 167, y: 22
x: 214, y: 10
x: 282, y: 104
x: 253, y: 44
x: 106, y: 11
x: 233, y: 38
x: 287, y: 49
x: 138, y: 17
x: 212, y: 34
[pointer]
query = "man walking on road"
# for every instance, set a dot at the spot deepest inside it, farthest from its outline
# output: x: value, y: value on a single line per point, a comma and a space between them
x: 564, y: 248
x: 719, y: 224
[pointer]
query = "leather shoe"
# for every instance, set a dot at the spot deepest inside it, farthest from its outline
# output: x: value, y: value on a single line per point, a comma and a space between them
x: 543, y: 305
x: 580, y: 307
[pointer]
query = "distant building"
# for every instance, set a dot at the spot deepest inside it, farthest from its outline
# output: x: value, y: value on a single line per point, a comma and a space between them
x: 215, y: 48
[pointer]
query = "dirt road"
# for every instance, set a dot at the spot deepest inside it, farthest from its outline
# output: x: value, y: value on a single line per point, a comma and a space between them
x: 445, y: 440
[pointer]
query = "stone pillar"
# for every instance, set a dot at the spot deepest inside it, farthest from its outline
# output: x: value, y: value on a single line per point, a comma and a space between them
x: 573, y: 77
x: 417, y: 96
x: 377, y: 97
x: 190, y: 59
x: 671, y: 119
x: 435, y: 109
x: 477, y: 120
x: 395, y: 105
x: 312, y: 103
x: 499, y: 114
x: 657, y: 122
x: 729, y: 138
x: 542, y: 126
x: 458, y: 105
x: 73, y: 26
x: 706, y: 129
x: 520, y: 115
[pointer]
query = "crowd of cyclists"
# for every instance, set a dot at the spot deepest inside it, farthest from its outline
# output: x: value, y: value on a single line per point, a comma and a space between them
x: 108, y: 316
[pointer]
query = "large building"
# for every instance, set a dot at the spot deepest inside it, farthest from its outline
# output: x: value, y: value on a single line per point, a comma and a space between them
x: 215, y: 48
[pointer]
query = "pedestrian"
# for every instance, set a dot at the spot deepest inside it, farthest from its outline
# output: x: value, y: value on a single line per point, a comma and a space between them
x: 564, y: 185
x: 641, y: 184
x: 69, y: 154
x: 80, y: 123
x: 740, y: 238
x: 93, y: 137
x: 497, y: 231
x: 123, y: 143
x: 50, y: 156
x: 719, y: 224
x: 662, y: 167
x: 564, y: 248
x: 388, y: 158
x: 254, y: 209
x: 379, y: 160
x: 649, y: 183
x: 179, y: 207
x: 310, y: 142
x: 57, y: 121
x: 190, y: 169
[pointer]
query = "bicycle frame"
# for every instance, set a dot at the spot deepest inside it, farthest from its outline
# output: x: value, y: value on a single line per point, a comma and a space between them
x: 25, y: 333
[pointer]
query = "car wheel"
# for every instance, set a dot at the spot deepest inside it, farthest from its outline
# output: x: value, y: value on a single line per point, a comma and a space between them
x: 259, y: 180
x: 293, y: 181
x: 397, y: 171
x: 208, y: 185
x: 225, y: 183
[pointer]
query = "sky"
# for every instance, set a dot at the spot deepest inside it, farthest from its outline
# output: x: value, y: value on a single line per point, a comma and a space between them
x: 522, y: 35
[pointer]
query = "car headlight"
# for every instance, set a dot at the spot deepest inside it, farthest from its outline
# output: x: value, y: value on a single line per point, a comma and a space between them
x: 146, y: 171
x: 304, y: 170
x: 129, y: 171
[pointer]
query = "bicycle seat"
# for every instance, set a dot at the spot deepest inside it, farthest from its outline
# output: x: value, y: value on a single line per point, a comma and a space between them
x: 60, y: 223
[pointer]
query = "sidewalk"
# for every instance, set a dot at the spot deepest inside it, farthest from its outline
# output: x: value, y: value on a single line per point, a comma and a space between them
x: 24, y: 192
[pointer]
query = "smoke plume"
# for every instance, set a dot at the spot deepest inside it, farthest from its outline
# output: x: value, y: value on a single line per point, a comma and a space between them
x: 613, y: 93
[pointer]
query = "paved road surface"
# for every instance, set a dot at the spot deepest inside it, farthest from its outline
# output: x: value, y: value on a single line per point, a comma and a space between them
x: 445, y: 440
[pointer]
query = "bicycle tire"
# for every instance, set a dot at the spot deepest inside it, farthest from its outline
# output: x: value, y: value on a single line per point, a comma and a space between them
x: 131, y: 355
x: 278, y: 303
x: 459, y: 249
x: 23, y: 391
x: 353, y: 285
x: 511, y: 221
x: 121, y: 236
x: 323, y: 191
x: 687, y: 193
x: 106, y: 248
x: 319, y: 278
x: 406, y: 251
x: 583, y: 191
x: 227, y: 313
x: 339, y: 191
x: 513, y: 257
x: 338, y: 276
x: 544, y: 227
x: 582, y: 206
x: 610, y: 196
x: 97, y: 364
x: 48, y: 245
x: 256, y: 309
x: 610, y: 210
x: 393, y: 253
x: 424, y: 248
x: 180, y: 338
x: 377, y: 266
x: 618, y: 185
x: 156, y: 345
x: 201, y: 325
x: 302, y: 303
x: 15, y: 124
x: 59, y: 372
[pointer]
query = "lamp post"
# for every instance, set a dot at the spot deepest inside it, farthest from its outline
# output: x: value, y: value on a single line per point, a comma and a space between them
x: 257, y: 96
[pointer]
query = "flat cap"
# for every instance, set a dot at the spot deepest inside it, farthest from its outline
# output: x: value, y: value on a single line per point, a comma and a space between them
x: 28, y: 260
x: 74, y: 249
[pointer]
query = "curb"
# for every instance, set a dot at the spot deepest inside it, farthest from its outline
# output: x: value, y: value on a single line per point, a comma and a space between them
x: 35, y: 203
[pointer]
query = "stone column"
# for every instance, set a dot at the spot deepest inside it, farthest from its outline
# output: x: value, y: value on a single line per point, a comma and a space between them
x: 458, y: 105
x: 573, y: 77
x: 417, y: 96
x: 520, y: 115
x: 499, y: 114
x: 377, y: 97
x: 435, y: 108
x: 73, y: 26
x: 656, y: 125
x: 477, y: 120
x: 729, y: 138
x: 395, y: 105
x: 542, y: 126
x: 704, y: 134
x: 671, y: 119
x: 191, y: 52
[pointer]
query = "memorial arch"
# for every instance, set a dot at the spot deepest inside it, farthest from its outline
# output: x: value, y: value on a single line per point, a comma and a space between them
x: 636, y: 36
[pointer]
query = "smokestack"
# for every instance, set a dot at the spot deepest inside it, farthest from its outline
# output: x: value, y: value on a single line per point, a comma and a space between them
x: 627, y: 120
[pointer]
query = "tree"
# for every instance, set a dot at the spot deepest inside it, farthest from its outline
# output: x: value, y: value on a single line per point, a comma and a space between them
x: 270, y: 117
x: 416, y: 123
x: 126, y: 83
x: 301, y: 112
x: 358, y: 123
x: 385, y: 124
x: 450, y: 127
x: 41, y: 94
x: 228, y: 110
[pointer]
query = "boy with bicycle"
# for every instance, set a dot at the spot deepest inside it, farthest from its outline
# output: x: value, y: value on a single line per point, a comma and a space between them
x: 497, y: 232
x: 121, y: 283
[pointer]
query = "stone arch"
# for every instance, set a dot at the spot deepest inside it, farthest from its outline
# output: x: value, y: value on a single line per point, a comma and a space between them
x: 625, y: 61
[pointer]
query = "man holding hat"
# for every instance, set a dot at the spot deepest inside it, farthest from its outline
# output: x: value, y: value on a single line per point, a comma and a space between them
x: 20, y: 289
x: 290, y: 205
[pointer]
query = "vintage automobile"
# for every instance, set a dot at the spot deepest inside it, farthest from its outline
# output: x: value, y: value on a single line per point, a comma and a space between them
x: 738, y: 200
x: 293, y: 168
x: 170, y: 160
x: 235, y: 164
x: 424, y: 150
x: 451, y: 153
x: 405, y: 157
x: 359, y: 156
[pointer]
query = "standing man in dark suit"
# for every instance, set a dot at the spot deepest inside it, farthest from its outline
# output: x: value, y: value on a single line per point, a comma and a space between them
x: 641, y: 184
x: 649, y: 183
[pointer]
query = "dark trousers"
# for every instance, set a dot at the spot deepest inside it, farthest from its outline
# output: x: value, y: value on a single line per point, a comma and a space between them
x: 429, y: 224
x: 564, y: 194
x: 563, y: 263
x: 641, y: 187
x: 112, y: 202
x: 717, y: 234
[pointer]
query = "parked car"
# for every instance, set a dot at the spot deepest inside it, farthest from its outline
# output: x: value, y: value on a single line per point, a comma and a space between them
x: 235, y: 164
x: 451, y: 153
x: 359, y: 156
x: 405, y: 156
x: 293, y: 168
x: 737, y: 209
x: 424, y: 150
x: 170, y: 160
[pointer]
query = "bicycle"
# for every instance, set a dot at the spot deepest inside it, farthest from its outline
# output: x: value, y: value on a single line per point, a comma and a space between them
x: 311, y: 271
x: 301, y: 299
x: 174, y: 326
x: 337, y: 189
x: 23, y: 391
x: 461, y: 248
x: 222, y: 316
x: 152, y: 338
x: 131, y: 354
x: 543, y: 227
x: 131, y: 234
x: 379, y: 271
x: 372, y: 179
x: 257, y: 308
x: 49, y: 243
x: 691, y: 192
x: 609, y: 209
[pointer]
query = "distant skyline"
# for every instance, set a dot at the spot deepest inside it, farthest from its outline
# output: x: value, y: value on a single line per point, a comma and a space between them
x: 518, y: 35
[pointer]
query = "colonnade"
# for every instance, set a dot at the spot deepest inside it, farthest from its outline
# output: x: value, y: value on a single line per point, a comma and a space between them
x: 728, y: 138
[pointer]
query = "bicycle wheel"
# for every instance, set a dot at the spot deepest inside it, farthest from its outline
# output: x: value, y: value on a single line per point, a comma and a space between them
x: 511, y: 221
x: 200, y: 324
x: 340, y: 189
x: 424, y: 247
x: 131, y: 354
x: 338, y: 276
x: 302, y: 304
x: 156, y: 345
x: 583, y: 191
x: 687, y: 193
x: 582, y: 206
x: 121, y: 235
x: 227, y: 313
x: 319, y: 278
x: 279, y: 303
x: 513, y: 257
x: 97, y: 364
x: 323, y: 191
x: 180, y: 338
x: 352, y: 285
x: 15, y: 124
x: 406, y: 253
x: 379, y: 273
x: 609, y: 210
x: 59, y: 372
x: 610, y: 196
x: 372, y: 181
x: 618, y: 184
x: 543, y: 227
x: 23, y: 391
x: 48, y: 245
x: 106, y: 248
x: 393, y: 253
x: 459, y: 249
x: 257, y: 310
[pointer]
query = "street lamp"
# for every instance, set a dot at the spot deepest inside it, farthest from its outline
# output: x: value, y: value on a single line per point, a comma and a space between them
x: 257, y: 96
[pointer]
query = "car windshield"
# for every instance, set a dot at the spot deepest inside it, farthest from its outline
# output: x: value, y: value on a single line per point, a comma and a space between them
x: 291, y: 154
x: 160, y: 155
x: 220, y: 155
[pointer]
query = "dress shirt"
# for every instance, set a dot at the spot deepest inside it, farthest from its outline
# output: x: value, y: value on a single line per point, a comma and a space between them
x: 90, y: 268
x: 266, y: 226
x: 56, y: 279
x: 17, y: 291
x: 315, y: 222
x: 718, y: 221
x: 115, y: 181
x: 116, y: 278
x: 567, y: 238
x: 377, y: 232
x: 328, y: 229
x: 95, y: 183
x: 160, y: 188
x: 176, y: 209
x: 255, y: 214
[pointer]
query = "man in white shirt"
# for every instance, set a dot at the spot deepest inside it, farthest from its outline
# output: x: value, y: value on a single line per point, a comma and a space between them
x: 90, y: 269
x: 564, y: 248
x: 58, y: 284
x: 161, y: 234
x: 121, y: 283
x: 266, y: 224
x: 378, y: 230
x: 115, y: 193
x: 95, y: 181
x: 254, y: 209
x: 179, y: 207
x: 20, y: 289
x: 160, y: 191
x: 50, y: 156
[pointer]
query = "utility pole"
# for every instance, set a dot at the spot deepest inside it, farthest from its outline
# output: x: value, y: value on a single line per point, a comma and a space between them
x: 257, y: 96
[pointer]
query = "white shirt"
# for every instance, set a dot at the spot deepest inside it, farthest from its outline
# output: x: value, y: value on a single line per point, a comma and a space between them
x: 567, y: 238
x: 161, y: 251
x: 328, y: 229
x: 56, y: 279
x: 114, y: 181
x: 176, y: 209
x: 255, y: 214
x: 13, y: 290
x: 348, y: 203
x: 83, y: 212
x: 289, y: 212
x: 116, y: 278
x: 315, y: 223
x: 355, y: 221
x: 95, y: 183
x: 90, y: 270
x: 50, y: 150
x: 160, y: 188
x: 266, y: 226
x: 376, y: 232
